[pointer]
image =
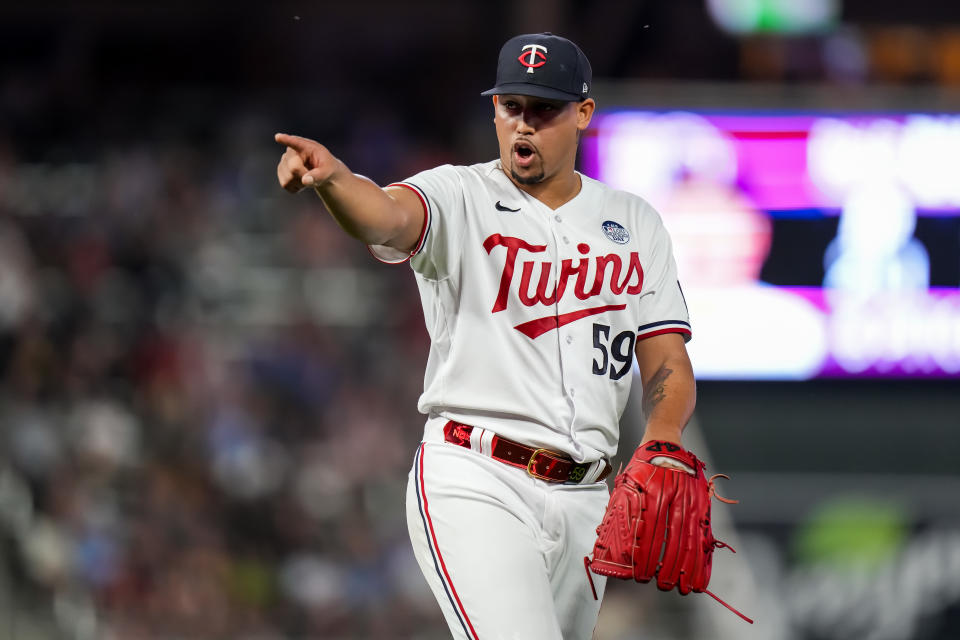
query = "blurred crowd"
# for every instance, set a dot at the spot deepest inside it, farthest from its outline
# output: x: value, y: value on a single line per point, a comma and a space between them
x: 207, y: 391
x: 208, y: 396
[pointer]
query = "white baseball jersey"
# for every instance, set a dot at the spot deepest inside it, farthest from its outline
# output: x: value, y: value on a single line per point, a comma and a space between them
x: 533, y: 313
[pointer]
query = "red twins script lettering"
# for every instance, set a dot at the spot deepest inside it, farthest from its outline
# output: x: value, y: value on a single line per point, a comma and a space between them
x: 631, y: 283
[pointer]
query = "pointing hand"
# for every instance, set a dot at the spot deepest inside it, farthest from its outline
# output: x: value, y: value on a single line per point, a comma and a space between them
x: 305, y: 163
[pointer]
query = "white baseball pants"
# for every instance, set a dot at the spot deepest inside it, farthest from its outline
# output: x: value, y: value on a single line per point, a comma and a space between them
x: 503, y: 551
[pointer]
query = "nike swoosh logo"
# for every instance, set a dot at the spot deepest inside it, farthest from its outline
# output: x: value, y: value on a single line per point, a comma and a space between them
x: 501, y: 207
x: 538, y: 327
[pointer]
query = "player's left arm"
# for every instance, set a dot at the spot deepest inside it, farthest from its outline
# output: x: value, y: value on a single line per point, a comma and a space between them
x: 669, y: 387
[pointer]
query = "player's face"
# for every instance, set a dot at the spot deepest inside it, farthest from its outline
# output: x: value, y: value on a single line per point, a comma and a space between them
x: 538, y: 137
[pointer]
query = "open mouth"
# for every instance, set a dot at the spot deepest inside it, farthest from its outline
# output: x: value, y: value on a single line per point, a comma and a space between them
x: 524, y: 152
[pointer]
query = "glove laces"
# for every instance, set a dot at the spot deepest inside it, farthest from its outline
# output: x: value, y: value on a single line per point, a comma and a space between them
x: 718, y: 544
x: 713, y: 489
x: 714, y: 596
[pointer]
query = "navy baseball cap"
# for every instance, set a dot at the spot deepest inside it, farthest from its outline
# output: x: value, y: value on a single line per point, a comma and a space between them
x: 543, y: 65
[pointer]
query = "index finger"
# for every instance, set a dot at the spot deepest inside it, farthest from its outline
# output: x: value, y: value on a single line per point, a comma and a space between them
x: 297, y: 143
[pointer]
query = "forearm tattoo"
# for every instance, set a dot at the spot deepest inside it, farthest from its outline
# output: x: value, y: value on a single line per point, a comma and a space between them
x: 655, y: 390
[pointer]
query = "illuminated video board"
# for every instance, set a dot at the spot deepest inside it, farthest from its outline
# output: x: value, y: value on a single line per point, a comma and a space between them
x: 808, y: 245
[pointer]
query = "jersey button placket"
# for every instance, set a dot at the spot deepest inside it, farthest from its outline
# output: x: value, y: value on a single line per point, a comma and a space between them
x: 567, y: 352
x: 564, y: 353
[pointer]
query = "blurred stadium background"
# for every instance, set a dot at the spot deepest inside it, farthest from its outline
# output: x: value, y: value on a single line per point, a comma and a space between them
x: 207, y: 393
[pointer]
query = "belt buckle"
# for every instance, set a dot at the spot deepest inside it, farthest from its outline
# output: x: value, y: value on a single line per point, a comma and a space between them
x: 532, y: 461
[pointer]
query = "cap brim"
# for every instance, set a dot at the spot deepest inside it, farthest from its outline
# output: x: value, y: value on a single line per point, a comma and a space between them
x: 529, y: 89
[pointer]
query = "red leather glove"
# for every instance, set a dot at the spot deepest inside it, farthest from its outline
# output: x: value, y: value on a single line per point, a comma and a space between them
x: 657, y: 523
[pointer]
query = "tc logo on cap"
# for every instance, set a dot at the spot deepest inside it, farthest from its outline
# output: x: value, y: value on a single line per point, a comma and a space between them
x: 537, y: 51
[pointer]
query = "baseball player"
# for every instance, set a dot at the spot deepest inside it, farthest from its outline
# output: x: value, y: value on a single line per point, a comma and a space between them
x: 541, y: 288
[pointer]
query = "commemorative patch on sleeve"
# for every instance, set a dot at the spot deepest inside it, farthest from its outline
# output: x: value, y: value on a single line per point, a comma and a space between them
x: 616, y: 232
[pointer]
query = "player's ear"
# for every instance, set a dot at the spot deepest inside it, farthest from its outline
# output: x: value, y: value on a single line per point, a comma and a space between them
x: 585, y: 113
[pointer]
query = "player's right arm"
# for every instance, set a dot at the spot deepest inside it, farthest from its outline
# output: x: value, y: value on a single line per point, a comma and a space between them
x: 391, y: 216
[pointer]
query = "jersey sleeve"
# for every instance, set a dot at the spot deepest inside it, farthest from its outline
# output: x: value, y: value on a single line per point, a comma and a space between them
x: 664, y: 308
x: 440, y: 191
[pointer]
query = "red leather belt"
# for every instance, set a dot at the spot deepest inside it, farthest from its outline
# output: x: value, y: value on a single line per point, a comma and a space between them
x: 539, y: 463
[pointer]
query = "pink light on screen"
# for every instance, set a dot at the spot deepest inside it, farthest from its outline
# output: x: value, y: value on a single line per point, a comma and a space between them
x: 770, y: 153
x: 785, y: 162
x: 772, y: 157
x: 772, y: 168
